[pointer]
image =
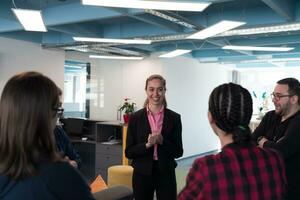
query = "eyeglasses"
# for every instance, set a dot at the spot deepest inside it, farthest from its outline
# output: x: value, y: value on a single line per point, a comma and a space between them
x: 277, y: 96
x: 59, y: 112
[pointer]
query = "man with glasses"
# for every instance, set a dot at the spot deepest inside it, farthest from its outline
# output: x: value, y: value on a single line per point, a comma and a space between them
x: 63, y: 143
x: 280, y: 130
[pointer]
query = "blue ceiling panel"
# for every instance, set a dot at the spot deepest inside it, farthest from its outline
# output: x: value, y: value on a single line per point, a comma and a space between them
x: 255, y: 65
x: 75, y: 13
x: 35, y: 37
x: 54, y: 37
x: 168, y: 30
x: 282, y: 8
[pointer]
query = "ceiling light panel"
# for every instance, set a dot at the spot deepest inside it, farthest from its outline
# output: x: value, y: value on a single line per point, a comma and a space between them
x: 108, y: 40
x: 31, y: 20
x: 117, y: 57
x: 254, y: 48
x: 216, y: 29
x: 175, y: 53
x: 156, y: 5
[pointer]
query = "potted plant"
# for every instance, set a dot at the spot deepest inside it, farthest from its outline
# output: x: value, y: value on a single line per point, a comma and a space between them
x: 263, y: 104
x: 127, y: 108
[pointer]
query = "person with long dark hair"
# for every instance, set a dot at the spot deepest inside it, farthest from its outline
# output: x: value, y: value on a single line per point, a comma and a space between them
x: 30, y: 166
x: 153, y: 142
x: 241, y: 170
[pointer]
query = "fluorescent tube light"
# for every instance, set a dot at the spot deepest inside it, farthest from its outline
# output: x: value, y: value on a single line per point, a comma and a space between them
x: 108, y: 40
x: 175, y: 53
x: 31, y: 20
x: 253, y: 48
x: 117, y: 57
x: 155, y: 5
x: 215, y: 29
x: 263, y: 29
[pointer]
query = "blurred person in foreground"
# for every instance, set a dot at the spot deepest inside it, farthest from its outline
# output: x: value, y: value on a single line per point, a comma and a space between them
x: 241, y: 170
x: 30, y: 166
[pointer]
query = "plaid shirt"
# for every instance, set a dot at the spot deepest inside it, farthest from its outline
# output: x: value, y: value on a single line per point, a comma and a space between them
x: 237, y: 173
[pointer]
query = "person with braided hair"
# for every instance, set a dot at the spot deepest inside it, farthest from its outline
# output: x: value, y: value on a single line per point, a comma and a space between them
x: 279, y: 129
x: 241, y: 170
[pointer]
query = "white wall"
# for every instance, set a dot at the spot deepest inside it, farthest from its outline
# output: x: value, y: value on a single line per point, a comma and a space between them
x: 19, y: 56
x: 189, y: 84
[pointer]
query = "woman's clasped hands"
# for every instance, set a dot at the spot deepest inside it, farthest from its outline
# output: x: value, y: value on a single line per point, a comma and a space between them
x: 154, y: 138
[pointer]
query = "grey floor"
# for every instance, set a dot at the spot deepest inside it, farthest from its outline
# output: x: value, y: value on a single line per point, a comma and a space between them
x: 186, y: 163
x: 184, y: 166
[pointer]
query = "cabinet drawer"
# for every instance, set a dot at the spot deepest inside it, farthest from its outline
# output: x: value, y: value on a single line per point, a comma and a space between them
x: 109, y: 149
x: 103, y: 161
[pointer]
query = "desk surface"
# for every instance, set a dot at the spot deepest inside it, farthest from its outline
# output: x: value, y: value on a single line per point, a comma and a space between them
x: 114, y: 123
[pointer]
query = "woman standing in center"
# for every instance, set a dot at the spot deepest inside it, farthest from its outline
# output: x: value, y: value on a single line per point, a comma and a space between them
x: 153, y: 142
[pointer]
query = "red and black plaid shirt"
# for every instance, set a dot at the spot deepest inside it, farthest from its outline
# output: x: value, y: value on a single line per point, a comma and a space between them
x: 237, y: 173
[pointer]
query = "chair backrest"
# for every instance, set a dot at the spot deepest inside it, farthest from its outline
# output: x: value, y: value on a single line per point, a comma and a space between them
x: 119, y: 192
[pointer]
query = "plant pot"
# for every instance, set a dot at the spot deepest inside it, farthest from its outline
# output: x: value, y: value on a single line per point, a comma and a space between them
x: 126, y: 118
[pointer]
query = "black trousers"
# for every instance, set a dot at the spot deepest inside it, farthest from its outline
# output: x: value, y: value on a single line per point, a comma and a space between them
x: 163, y: 183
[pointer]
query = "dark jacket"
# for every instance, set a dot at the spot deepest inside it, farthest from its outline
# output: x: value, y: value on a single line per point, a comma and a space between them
x: 64, y: 145
x: 137, y: 136
x: 54, y: 181
x: 285, y: 137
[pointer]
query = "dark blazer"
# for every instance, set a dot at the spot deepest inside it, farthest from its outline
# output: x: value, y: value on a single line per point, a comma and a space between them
x: 137, y: 136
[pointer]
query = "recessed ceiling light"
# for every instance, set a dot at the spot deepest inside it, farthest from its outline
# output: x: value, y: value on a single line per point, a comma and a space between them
x: 117, y: 57
x: 216, y: 29
x: 31, y: 20
x: 155, y: 5
x: 254, y: 48
x: 109, y: 40
x: 175, y: 53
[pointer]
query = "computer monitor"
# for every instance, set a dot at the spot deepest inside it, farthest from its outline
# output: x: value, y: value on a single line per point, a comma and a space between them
x: 73, y: 126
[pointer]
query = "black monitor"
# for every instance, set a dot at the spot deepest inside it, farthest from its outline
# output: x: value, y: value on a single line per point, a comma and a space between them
x: 73, y: 126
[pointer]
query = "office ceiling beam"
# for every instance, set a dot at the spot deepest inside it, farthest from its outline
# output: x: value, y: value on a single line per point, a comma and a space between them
x: 268, y: 41
x: 175, y: 18
x: 159, y: 23
x: 35, y: 37
x: 81, y: 30
x: 281, y: 7
x: 213, y: 53
x: 148, y: 19
x: 221, y: 44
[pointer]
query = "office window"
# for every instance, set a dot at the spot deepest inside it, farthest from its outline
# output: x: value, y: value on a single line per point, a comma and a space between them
x: 75, y: 89
x: 261, y: 83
